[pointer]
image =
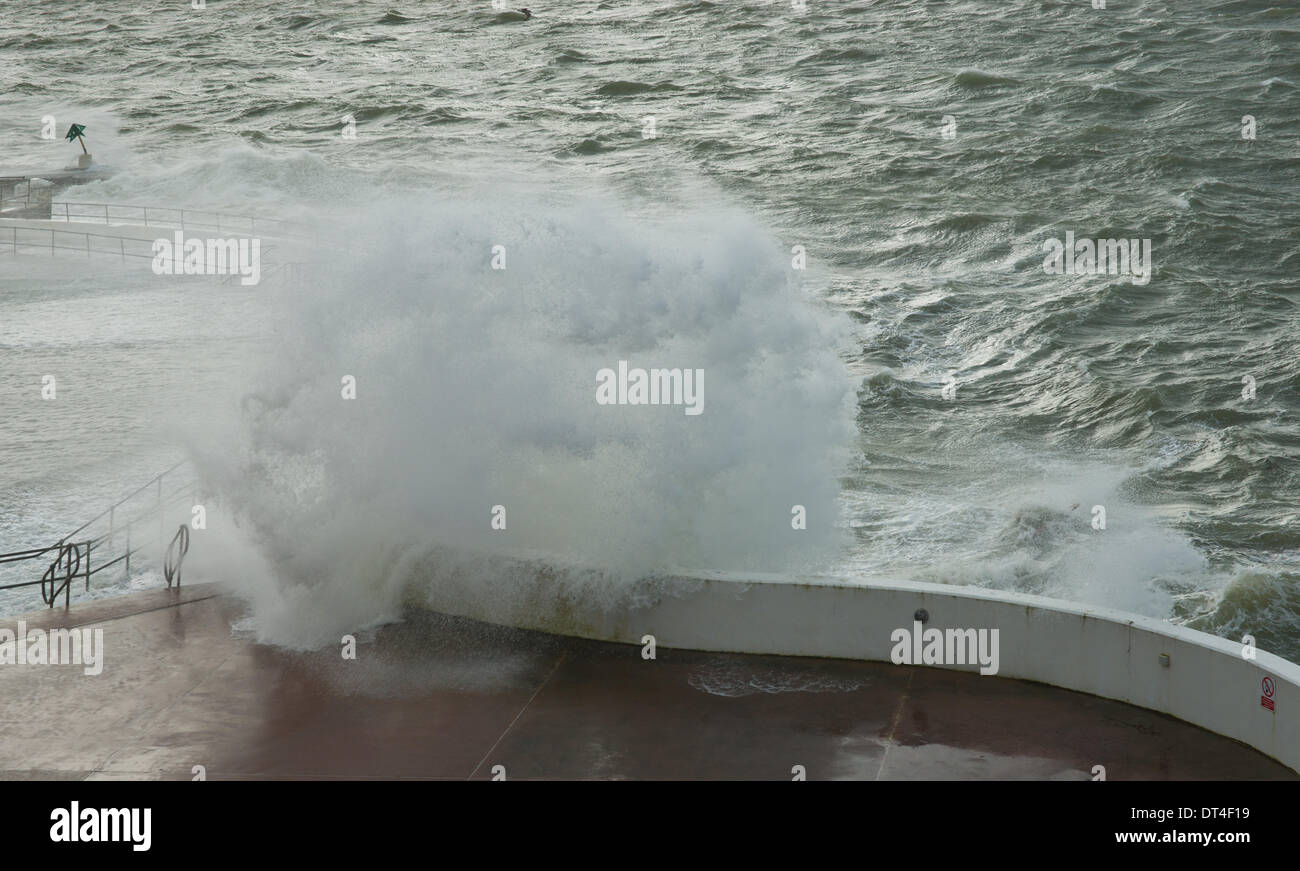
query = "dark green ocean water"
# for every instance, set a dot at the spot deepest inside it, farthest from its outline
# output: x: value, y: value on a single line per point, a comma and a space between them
x: 826, y: 129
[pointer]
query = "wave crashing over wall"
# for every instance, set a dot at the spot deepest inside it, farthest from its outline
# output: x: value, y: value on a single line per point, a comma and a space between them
x: 476, y: 387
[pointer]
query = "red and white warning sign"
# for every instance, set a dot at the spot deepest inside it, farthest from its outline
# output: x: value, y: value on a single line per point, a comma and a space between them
x: 1267, y: 699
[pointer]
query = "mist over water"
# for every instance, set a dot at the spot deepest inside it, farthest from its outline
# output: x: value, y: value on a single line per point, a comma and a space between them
x: 476, y: 387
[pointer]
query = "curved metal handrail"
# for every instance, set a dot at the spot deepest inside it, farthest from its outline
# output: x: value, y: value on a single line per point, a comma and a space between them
x: 176, y: 555
x: 69, y: 562
x: 73, y: 558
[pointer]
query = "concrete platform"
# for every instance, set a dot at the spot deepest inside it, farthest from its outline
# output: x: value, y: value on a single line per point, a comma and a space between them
x: 444, y: 698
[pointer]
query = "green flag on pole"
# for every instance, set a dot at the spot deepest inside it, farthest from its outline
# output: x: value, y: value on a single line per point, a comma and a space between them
x: 74, y: 132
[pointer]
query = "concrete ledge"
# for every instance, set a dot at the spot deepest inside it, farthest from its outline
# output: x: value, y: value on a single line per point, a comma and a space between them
x: 1097, y: 651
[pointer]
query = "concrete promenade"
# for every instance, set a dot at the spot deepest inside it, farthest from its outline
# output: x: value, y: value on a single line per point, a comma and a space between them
x: 443, y: 698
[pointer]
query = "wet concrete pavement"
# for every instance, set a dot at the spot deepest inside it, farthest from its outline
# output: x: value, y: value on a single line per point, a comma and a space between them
x: 441, y: 698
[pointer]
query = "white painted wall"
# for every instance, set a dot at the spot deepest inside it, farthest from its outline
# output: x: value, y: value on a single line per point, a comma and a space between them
x: 1105, y: 653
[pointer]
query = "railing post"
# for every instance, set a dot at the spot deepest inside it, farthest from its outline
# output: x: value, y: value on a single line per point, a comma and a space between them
x: 88, y: 566
x: 127, y: 576
x: 162, y: 529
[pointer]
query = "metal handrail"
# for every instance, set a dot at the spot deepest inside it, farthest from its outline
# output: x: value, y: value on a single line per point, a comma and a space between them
x: 20, y: 555
x: 280, y: 226
x: 91, y: 234
x: 252, y: 220
x: 107, y: 512
x: 13, y: 243
x: 74, y: 557
x: 69, y: 562
x: 186, y: 491
x: 175, y: 555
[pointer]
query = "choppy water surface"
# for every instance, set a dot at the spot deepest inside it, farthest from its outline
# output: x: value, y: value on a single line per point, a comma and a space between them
x: 823, y: 129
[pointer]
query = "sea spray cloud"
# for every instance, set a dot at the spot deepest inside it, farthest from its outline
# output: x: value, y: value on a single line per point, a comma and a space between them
x: 684, y: 387
x: 471, y: 400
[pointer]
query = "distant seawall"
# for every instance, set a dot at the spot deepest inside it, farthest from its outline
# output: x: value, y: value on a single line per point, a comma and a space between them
x: 1195, y: 677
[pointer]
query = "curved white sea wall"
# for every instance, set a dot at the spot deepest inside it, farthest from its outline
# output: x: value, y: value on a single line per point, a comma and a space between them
x: 1204, y: 680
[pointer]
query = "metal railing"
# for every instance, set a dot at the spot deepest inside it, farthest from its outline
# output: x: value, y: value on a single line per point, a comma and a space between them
x: 168, y: 216
x: 24, y: 207
x: 33, y: 240
x: 148, y: 216
x: 68, y: 562
x: 176, y: 555
x: 70, y: 557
